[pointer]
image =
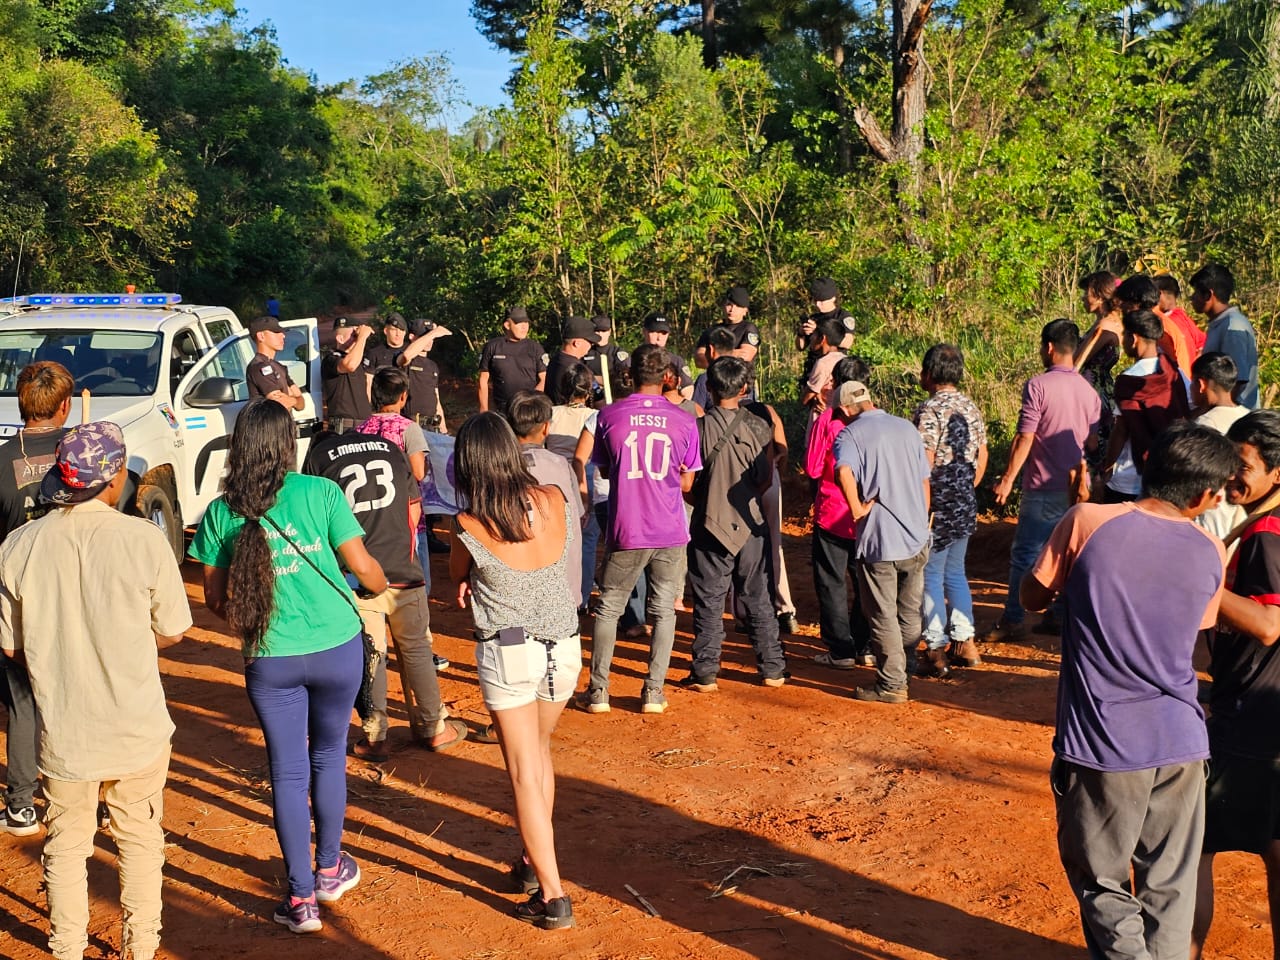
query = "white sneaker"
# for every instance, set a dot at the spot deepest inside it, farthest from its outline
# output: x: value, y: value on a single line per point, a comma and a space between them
x: 20, y: 823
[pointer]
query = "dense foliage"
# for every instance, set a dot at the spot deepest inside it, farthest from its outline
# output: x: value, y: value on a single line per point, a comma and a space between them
x: 647, y: 161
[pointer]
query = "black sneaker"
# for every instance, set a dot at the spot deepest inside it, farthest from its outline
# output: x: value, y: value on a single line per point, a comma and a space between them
x: 691, y: 682
x: 524, y: 876
x: 21, y: 822
x: 104, y: 815
x: 787, y: 623
x: 554, y: 914
x: 442, y: 663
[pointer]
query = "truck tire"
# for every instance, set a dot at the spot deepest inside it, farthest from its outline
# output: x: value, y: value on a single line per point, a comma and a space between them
x: 155, y: 505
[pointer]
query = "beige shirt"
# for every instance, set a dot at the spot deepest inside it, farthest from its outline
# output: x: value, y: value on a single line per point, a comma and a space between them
x: 83, y: 591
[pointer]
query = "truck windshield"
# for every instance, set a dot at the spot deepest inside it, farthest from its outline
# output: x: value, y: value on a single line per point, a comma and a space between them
x: 110, y: 363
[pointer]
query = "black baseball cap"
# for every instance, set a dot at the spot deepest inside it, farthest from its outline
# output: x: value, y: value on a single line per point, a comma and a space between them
x: 656, y: 323
x: 517, y: 314
x: 344, y: 323
x: 579, y: 328
x: 396, y: 320
x: 602, y: 323
x: 738, y: 296
x: 264, y: 324
x: 824, y: 288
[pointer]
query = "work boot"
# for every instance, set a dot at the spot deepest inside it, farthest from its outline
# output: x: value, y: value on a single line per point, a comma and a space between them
x: 932, y: 662
x: 964, y: 654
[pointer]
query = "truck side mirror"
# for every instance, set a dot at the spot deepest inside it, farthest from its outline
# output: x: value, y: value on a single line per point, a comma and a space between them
x: 212, y: 392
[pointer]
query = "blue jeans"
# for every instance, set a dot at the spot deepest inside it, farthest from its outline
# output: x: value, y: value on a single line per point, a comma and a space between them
x: 947, y: 586
x: 1038, y: 515
x: 424, y: 557
x: 304, y: 706
x: 590, y: 540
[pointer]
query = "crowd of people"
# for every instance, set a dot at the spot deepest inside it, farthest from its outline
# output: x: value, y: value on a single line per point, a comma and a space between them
x: 618, y: 486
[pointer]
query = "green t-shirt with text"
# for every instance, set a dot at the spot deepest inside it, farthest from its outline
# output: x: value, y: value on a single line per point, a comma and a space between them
x: 308, y: 615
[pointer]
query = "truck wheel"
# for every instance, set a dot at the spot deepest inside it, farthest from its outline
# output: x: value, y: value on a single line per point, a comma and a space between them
x: 155, y: 505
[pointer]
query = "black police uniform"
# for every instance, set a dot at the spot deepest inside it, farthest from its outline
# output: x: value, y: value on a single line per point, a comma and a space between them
x: 560, y: 363
x: 512, y: 365
x: 346, y: 395
x: 424, y: 382
x: 265, y: 374
x: 743, y: 332
x: 380, y: 355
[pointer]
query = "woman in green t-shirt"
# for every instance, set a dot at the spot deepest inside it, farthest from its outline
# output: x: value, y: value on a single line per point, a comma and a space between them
x: 268, y: 546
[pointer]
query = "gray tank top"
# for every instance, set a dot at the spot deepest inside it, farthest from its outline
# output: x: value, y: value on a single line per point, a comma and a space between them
x: 537, y: 600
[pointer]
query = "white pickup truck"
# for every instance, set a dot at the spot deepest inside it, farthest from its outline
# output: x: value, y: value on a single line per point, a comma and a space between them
x: 170, y: 374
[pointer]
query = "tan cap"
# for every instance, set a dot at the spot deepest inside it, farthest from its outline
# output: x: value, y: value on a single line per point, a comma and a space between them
x: 852, y: 393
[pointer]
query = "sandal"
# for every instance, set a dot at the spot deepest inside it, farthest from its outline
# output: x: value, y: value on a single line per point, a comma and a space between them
x: 486, y: 734
x: 459, y: 734
x: 370, y: 752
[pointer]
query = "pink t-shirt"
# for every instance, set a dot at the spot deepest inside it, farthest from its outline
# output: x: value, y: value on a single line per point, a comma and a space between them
x: 646, y: 440
x: 830, y: 508
x: 1060, y: 409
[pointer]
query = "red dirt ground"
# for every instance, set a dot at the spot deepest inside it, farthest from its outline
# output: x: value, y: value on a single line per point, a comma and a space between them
x: 760, y: 823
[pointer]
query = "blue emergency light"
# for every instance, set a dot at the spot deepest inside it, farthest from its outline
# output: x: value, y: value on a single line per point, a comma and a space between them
x: 95, y: 300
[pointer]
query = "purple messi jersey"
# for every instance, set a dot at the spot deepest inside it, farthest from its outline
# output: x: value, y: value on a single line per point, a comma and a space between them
x: 647, y: 442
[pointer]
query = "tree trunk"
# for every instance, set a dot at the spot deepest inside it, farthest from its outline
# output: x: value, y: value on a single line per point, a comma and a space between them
x: 844, y: 147
x: 909, y: 75
x: 710, y: 50
x: 905, y: 143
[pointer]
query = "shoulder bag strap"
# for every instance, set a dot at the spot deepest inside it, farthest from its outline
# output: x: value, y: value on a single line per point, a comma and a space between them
x: 345, y: 594
x: 724, y: 438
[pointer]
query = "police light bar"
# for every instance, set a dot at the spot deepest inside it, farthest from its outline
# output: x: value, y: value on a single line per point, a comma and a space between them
x: 95, y: 300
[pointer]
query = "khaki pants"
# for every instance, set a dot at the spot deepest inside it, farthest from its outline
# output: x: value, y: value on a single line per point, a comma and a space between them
x: 405, y: 611
x: 136, y: 803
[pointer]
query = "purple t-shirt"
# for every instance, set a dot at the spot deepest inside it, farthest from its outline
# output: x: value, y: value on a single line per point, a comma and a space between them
x: 1127, y: 689
x: 1061, y: 409
x: 645, y: 440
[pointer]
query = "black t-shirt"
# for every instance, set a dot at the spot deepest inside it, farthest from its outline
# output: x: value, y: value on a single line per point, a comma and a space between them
x: 380, y: 355
x: 346, y: 395
x: 1245, y: 699
x: 24, y: 460
x: 424, y: 381
x: 686, y: 375
x: 619, y: 363
x: 512, y: 365
x: 555, y: 373
x: 265, y: 374
x: 375, y: 476
x: 743, y: 332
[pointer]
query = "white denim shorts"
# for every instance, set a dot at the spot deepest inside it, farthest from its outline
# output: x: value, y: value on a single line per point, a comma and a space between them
x: 542, y: 672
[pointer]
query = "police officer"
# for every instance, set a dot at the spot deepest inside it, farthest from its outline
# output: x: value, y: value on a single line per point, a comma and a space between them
x: 657, y: 331
x: 424, y: 406
x: 746, y: 335
x: 510, y: 363
x: 579, y: 337
x: 267, y: 376
x: 345, y: 374
x: 383, y: 354
x: 607, y: 363
x: 825, y: 299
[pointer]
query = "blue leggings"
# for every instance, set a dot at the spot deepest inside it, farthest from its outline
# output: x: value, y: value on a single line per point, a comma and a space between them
x: 304, y: 706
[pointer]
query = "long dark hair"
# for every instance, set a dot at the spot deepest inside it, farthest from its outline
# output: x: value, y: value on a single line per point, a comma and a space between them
x: 263, y: 449
x: 489, y: 471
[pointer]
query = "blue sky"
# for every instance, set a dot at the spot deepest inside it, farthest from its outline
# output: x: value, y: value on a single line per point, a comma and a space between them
x: 343, y: 41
